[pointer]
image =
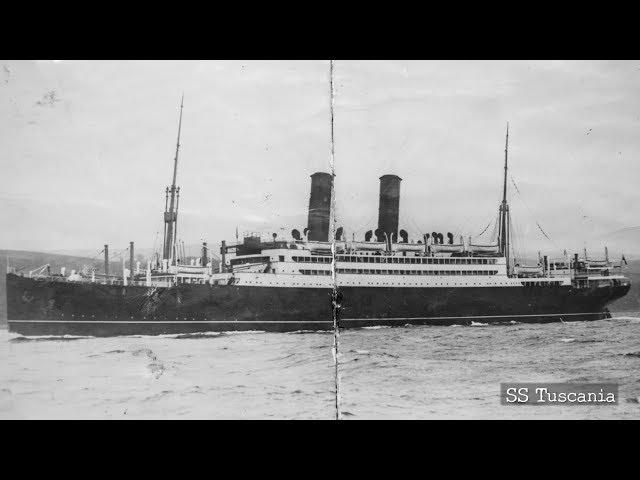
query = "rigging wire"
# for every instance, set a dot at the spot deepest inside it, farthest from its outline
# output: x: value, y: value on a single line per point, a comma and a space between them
x: 462, y: 225
x: 365, y: 225
x: 494, y: 231
x: 96, y: 255
x: 155, y: 244
x: 485, y: 229
x: 516, y: 236
x: 532, y: 215
x: 421, y: 230
x: 492, y: 222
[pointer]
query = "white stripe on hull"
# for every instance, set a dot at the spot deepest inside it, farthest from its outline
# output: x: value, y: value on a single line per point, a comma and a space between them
x: 310, y: 321
x: 168, y: 321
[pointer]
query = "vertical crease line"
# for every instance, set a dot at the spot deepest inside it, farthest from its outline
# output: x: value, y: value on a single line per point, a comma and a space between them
x: 334, y: 293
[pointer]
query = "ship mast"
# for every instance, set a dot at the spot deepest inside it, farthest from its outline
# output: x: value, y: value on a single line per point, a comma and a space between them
x: 504, y: 209
x: 171, y: 213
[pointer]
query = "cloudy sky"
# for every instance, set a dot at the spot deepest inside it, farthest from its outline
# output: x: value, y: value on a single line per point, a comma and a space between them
x: 88, y: 146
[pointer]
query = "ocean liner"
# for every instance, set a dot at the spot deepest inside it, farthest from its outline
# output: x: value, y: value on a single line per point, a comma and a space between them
x: 315, y: 279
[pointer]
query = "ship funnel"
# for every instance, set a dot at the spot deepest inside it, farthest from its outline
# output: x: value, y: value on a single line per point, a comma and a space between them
x: 389, y: 206
x: 320, y: 207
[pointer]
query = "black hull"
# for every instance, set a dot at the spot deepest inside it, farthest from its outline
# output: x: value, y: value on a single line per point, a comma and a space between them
x: 43, y: 307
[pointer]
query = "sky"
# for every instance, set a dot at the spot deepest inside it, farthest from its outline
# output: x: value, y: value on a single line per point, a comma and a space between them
x: 88, y: 148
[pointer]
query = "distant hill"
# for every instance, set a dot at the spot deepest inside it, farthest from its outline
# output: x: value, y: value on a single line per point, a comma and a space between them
x: 191, y: 250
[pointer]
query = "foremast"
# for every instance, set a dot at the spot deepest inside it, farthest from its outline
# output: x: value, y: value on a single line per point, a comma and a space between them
x: 172, y: 197
x: 503, y: 216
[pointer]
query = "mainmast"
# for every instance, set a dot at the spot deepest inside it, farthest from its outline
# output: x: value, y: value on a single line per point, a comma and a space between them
x: 503, y: 238
x: 171, y: 213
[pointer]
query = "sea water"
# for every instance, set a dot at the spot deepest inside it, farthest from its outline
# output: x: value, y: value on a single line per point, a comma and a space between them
x: 408, y: 372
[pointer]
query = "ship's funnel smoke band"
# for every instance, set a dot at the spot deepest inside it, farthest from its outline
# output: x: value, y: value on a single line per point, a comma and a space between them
x: 389, y: 206
x: 320, y: 207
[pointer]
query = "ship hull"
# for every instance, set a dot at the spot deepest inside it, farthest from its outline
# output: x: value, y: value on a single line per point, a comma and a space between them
x: 44, y: 307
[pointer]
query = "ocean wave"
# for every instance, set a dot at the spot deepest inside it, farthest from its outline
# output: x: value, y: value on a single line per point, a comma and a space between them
x: 505, y: 323
x: 158, y: 396
x: 105, y: 353
x: 629, y: 319
x: 196, y: 336
x: 385, y: 354
x: 242, y: 332
x: 292, y: 354
x: 155, y: 367
x: 298, y: 332
x: 44, y: 338
x: 376, y: 327
x: 478, y: 324
x: 144, y: 351
x: 191, y: 334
